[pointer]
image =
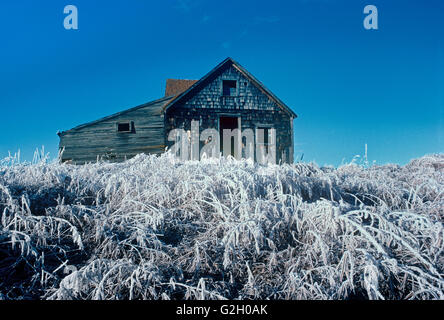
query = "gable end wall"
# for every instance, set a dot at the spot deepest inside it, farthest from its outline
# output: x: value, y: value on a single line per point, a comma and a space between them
x: 250, y: 103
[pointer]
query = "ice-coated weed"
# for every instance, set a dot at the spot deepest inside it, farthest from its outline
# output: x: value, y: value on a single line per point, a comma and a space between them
x: 157, y: 228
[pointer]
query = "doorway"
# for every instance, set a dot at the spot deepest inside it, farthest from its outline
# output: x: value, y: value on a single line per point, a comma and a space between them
x: 231, y: 123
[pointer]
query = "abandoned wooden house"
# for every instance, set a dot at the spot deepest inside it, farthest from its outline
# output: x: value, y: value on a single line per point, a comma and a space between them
x: 228, y: 97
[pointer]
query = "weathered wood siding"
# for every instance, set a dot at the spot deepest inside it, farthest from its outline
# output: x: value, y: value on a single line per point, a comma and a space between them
x: 100, y: 139
x: 253, y: 106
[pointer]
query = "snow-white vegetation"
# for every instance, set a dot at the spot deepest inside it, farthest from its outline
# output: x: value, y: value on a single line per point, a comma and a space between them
x: 156, y: 228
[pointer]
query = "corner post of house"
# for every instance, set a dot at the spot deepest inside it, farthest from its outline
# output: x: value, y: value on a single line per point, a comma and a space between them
x: 291, y: 149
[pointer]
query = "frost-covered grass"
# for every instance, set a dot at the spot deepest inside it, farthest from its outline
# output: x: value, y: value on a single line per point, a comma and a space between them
x: 155, y: 228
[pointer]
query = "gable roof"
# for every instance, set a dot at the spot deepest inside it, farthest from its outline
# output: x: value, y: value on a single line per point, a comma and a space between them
x: 244, y: 72
x: 176, y: 86
x: 155, y: 105
x: 180, y: 89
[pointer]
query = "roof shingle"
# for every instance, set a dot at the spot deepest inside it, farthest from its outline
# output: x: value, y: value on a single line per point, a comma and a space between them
x: 176, y: 86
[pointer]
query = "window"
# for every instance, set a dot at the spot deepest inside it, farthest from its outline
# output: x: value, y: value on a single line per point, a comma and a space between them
x: 125, y: 126
x: 229, y: 87
x: 265, y: 142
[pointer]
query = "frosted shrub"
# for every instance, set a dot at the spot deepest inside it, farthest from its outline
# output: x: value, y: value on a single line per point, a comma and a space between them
x: 157, y: 228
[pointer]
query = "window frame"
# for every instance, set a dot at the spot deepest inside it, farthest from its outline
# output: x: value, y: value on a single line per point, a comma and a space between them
x: 130, y: 126
x: 236, y: 88
x: 266, y: 127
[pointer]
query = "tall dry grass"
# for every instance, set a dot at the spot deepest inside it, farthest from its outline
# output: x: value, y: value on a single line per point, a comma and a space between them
x: 156, y: 228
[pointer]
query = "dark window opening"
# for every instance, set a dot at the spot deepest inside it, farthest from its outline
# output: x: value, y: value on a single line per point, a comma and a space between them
x: 229, y: 87
x: 125, y: 127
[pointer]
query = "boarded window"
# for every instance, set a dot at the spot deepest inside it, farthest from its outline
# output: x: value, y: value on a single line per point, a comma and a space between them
x: 229, y: 87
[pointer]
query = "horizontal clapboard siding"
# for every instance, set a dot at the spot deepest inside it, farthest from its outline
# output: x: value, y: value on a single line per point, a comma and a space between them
x: 101, y: 140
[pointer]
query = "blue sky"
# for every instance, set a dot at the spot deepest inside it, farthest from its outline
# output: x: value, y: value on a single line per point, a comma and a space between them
x: 349, y: 86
